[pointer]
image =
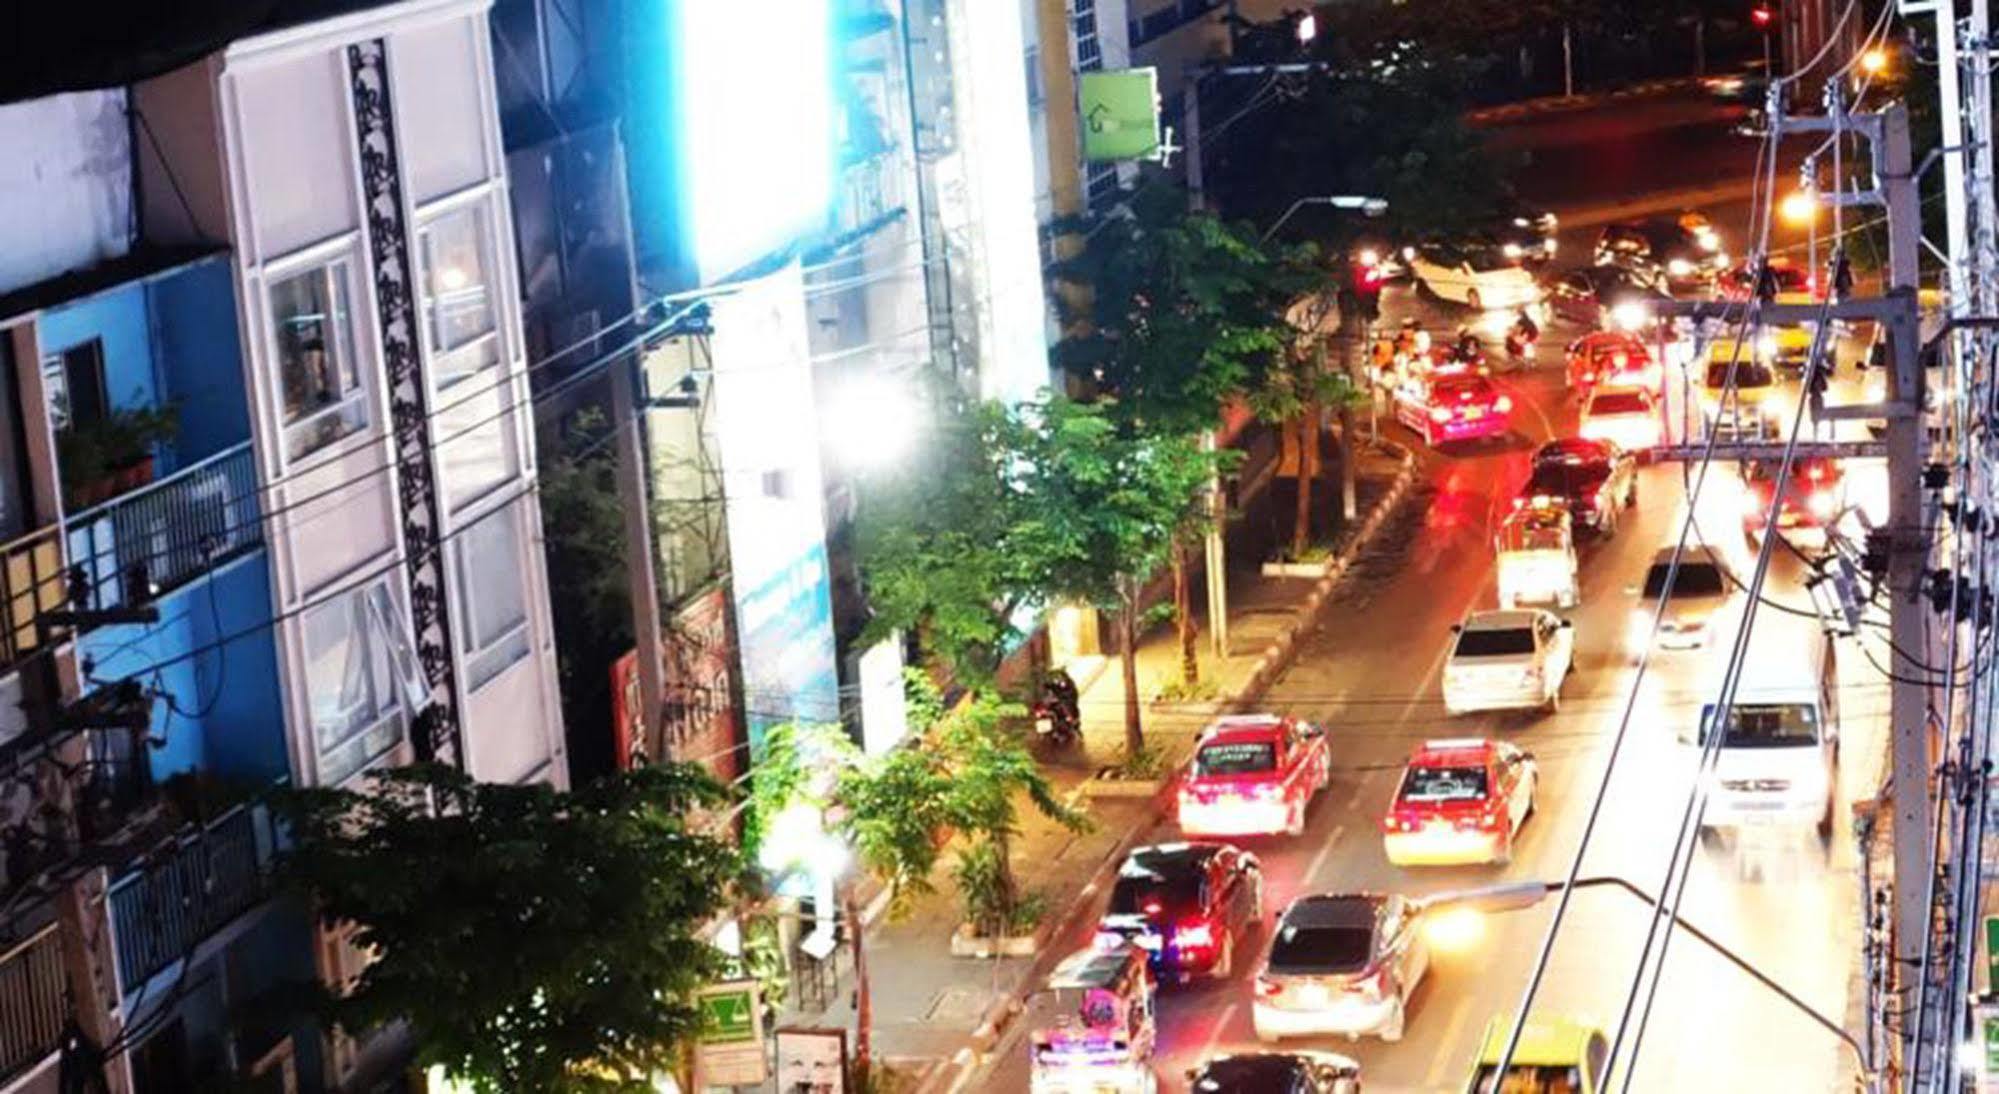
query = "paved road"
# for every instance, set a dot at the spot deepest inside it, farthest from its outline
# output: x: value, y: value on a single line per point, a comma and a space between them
x: 1787, y: 902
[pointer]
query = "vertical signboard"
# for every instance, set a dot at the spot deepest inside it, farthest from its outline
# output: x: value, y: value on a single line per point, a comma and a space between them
x: 811, y: 1061
x: 774, y: 507
x: 1120, y: 115
x: 699, y: 722
x: 732, y: 1036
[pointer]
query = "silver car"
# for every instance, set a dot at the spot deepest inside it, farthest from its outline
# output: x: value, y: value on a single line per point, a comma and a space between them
x: 1342, y: 963
x: 1697, y: 602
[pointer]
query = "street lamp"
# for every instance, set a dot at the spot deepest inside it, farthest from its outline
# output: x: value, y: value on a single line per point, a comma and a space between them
x: 1520, y: 895
x: 1874, y: 62
x: 1372, y: 207
x: 1799, y: 207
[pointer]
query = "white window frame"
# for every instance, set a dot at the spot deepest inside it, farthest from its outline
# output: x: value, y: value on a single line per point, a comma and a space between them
x: 488, y: 662
x: 478, y: 205
x: 493, y: 379
x: 383, y: 623
x: 342, y: 250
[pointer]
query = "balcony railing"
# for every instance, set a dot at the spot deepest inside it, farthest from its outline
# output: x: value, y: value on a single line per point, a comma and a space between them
x: 196, y: 885
x: 31, y: 582
x: 164, y: 535
x: 34, y: 1002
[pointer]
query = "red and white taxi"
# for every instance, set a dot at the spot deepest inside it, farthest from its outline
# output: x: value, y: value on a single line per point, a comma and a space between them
x: 1815, y: 497
x: 1453, y: 406
x: 1462, y: 800
x: 1253, y: 774
x: 1612, y: 358
x: 1627, y: 417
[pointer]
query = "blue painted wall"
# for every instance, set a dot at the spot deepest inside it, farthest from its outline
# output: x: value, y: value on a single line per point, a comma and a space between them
x: 119, y: 317
x: 200, y: 357
x: 227, y: 716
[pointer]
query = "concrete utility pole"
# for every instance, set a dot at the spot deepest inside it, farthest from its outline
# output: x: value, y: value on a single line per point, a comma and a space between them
x: 634, y: 500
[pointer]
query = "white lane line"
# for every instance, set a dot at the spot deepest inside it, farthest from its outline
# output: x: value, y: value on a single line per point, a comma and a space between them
x: 1318, y: 860
x: 1208, y: 1046
x: 1446, y: 1054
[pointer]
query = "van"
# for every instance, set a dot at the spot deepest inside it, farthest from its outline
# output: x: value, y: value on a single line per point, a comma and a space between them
x: 1778, y: 758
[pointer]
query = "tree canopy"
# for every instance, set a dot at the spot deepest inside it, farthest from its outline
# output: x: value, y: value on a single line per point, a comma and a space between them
x: 532, y: 939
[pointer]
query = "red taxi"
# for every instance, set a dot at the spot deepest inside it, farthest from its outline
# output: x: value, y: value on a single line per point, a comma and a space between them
x: 1613, y: 358
x: 1462, y: 800
x: 1455, y: 405
x: 1793, y: 283
x: 1253, y: 774
x: 1813, y: 500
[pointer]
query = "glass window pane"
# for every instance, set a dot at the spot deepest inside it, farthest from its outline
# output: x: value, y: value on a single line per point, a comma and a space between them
x: 347, y: 672
x: 493, y: 632
x: 474, y: 433
x: 319, y: 377
x: 457, y: 299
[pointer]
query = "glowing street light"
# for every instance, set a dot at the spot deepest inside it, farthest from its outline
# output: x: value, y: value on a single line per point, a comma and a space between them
x: 1799, y: 207
x: 871, y: 420
x: 1874, y: 62
x: 1308, y: 28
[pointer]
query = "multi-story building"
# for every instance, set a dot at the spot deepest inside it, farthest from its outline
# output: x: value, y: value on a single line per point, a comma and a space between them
x: 267, y: 474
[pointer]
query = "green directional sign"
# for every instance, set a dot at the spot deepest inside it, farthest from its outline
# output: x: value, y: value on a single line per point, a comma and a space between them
x: 1992, y: 955
x: 728, y: 1016
x: 1120, y: 115
x: 1988, y: 1024
x: 732, y: 1035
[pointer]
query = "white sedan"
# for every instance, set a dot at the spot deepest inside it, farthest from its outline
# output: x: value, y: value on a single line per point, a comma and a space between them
x: 1627, y: 417
x: 1477, y: 279
x: 1509, y: 659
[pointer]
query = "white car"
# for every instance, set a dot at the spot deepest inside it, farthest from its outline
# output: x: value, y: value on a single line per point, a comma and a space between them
x: 1477, y: 279
x: 1341, y: 963
x: 1627, y: 417
x: 1510, y: 659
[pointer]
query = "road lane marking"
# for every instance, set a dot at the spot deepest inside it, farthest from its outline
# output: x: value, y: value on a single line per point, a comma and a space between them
x: 1318, y: 860
x: 1452, y: 1030
x: 1215, y: 1035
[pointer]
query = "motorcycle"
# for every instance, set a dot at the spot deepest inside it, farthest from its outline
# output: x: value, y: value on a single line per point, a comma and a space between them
x: 1058, y: 718
x: 1521, y: 339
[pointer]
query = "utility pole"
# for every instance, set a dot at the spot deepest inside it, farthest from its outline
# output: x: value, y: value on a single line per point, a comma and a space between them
x: 634, y: 499
x: 1215, y: 546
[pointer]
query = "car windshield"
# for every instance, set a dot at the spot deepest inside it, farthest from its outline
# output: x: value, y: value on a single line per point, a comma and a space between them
x: 1694, y: 579
x: 1765, y: 725
x: 1236, y: 758
x: 1534, y: 536
x: 1443, y: 784
x: 1525, y: 1079
x: 1748, y: 373
x: 1496, y: 642
x: 1619, y: 402
x: 1320, y: 949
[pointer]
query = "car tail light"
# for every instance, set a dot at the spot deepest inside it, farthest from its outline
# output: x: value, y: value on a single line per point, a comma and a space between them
x: 1589, y: 377
x: 1195, y: 934
x: 1815, y: 472
x: 1620, y: 360
x: 1266, y: 792
x: 1152, y: 907
x: 1502, y: 404
x: 1531, y: 676
x: 1401, y: 822
x: 1373, y: 982
x: 1268, y: 989
x: 1439, y: 414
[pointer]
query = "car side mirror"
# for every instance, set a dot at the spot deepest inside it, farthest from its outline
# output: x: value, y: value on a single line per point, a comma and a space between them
x: 1457, y: 628
x: 1193, y: 1073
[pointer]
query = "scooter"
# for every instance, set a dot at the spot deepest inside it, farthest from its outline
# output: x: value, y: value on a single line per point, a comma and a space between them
x: 1055, y: 724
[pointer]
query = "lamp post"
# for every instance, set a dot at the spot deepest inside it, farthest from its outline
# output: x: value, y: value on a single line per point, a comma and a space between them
x: 1367, y: 206
x: 1516, y: 896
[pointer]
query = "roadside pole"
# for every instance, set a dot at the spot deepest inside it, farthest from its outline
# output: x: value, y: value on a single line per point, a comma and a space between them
x: 1216, y: 547
x: 633, y: 498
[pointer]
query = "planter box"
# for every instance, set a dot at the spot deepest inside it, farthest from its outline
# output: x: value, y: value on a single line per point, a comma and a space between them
x: 1106, y: 784
x: 1309, y: 570
x: 966, y: 944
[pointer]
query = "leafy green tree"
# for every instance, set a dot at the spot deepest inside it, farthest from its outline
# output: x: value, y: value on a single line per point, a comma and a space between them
x: 532, y: 939
x: 1296, y: 396
x: 1106, y: 507
x: 588, y: 589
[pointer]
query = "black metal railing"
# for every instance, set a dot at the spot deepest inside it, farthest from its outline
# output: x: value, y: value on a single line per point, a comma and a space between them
x: 163, y: 535
x: 191, y: 888
x: 117, y: 782
x: 34, y: 1002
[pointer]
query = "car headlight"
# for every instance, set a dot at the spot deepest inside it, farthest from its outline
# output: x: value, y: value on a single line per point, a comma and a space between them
x: 1548, y: 245
x: 1512, y: 250
x: 1369, y: 257
x: 1630, y: 315
x: 1679, y: 267
x: 1708, y: 240
x: 1766, y: 347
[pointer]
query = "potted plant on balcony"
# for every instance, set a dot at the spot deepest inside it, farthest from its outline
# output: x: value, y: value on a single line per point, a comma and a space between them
x: 106, y: 456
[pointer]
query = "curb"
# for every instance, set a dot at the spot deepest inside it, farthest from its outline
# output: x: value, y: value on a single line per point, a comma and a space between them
x: 959, y: 1071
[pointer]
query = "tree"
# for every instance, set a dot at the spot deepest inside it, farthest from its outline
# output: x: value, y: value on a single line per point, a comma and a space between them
x: 595, y: 899
x: 967, y: 774
x: 1296, y: 396
x: 1180, y: 314
x: 1106, y: 507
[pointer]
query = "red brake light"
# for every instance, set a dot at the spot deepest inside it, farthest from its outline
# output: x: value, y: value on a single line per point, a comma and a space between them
x: 1195, y: 934
x: 1589, y: 377
x: 1620, y: 360
x: 1373, y: 982
x: 1519, y: 503
x: 1502, y: 404
x: 1153, y: 907
x: 1269, y: 989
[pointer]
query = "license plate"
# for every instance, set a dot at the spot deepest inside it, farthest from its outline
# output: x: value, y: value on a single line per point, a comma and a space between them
x: 1312, y: 995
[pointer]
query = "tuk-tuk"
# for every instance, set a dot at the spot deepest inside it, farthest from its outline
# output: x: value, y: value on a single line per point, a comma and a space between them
x: 1537, y: 556
x: 1104, y: 1030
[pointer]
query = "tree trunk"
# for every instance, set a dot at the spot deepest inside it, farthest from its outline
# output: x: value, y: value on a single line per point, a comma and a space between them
x: 1349, y: 473
x: 1308, y: 451
x: 1134, y: 734
x: 1183, y: 617
x: 1700, y: 45
x: 864, y: 1003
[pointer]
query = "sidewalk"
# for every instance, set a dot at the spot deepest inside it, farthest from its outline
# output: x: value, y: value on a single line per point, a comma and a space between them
x: 933, y: 1013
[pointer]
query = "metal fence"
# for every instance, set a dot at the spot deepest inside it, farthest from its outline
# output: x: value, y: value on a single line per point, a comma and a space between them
x: 163, y: 535
x: 206, y: 878
x: 34, y: 1002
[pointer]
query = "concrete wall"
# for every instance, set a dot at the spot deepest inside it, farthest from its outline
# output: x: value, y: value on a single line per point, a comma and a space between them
x: 199, y: 358
x: 119, y: 318
x: 66, y: 179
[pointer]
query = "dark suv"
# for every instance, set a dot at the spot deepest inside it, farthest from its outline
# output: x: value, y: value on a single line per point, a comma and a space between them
x: 1592, y: 479
x: 1185, y: 904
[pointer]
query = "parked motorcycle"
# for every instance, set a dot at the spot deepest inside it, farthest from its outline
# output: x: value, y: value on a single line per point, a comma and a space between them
x: 1058, y: 718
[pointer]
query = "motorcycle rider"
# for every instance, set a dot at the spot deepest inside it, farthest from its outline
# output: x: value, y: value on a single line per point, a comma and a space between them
x: 1061, y: 703
x: 1522, y: 335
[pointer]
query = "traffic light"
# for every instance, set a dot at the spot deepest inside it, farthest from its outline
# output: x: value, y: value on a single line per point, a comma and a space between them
x: 1763, y: 17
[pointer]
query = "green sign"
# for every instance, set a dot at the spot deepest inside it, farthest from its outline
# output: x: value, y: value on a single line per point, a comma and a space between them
x: 1120, y: 115
x: 1988, y: 1023
x: 1992, y: 955
x: 729, y: 1015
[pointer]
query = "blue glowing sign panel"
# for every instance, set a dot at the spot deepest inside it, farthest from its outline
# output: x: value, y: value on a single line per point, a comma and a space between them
x: 753, y: 95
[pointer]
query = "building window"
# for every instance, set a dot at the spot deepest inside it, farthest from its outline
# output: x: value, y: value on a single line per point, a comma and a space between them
x: 1100, y: 186
x: 1036, y: 94
x: 74, y: 382
x: 324, y: 399
x: 351, y: 669
x: 490, y: 574
x: 458, y: 317
x: 1089, y: 50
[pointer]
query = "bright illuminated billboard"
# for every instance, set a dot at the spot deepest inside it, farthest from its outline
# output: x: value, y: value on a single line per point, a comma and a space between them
x: 753, y: 119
